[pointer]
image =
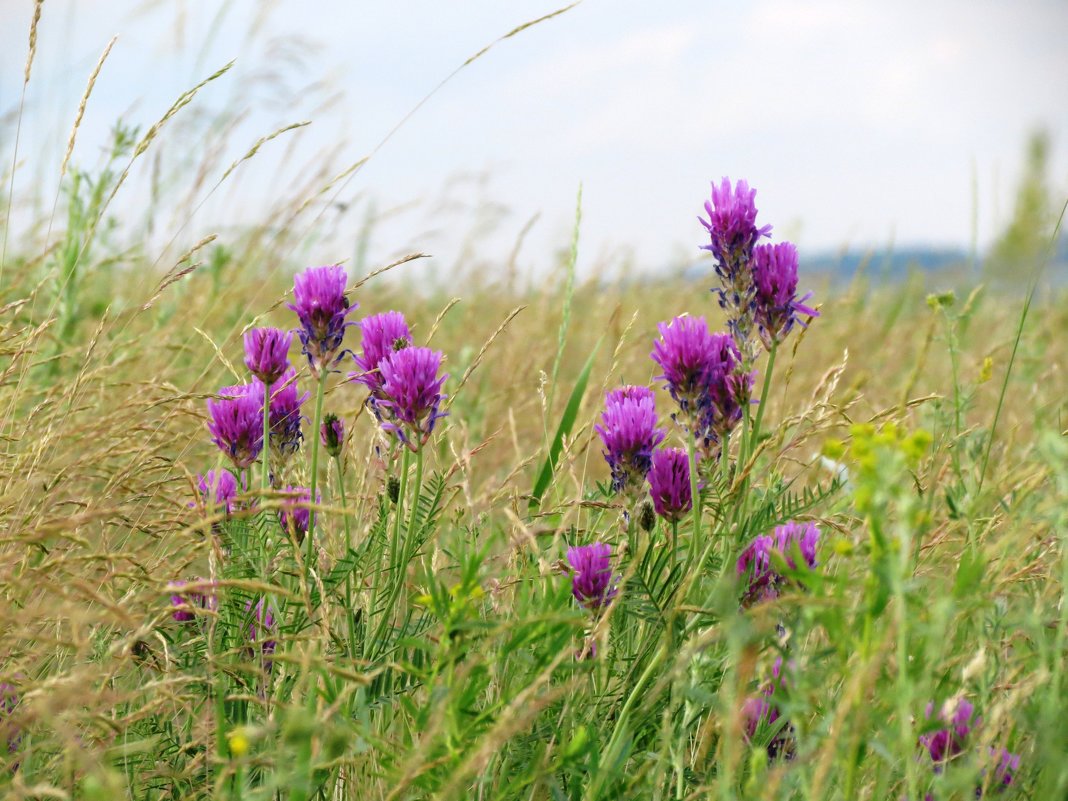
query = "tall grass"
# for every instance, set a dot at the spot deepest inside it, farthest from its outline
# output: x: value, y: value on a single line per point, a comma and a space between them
x: 431, y: 647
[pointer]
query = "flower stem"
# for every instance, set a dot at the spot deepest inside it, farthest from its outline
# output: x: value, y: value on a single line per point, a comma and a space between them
x: 266, y: 436
x: 695, y: 497
x: 348, y: 554
x: 312, y: 516
x: 755, y: 435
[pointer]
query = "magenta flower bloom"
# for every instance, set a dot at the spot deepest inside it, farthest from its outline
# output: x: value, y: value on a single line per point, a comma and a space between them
x: 187, y: 602
x: 321, y: 305
x: 267, y: 353
x: 381, y: 335
x: 945, y: 744
x: 669, y: 483
x: 763, y: 582
x: 731, y: 226
x: 10, y: 735
x: 261, y: 627
x: 332, y: 434
x: 284, y: 414
x: 702, y: 371
x: 217, y: 488
x: 411, y: 394
x: 592, y: 582
x: 629, y: 434
x: 776, y: 308
x: 236, y: 422
x: 761, y: 713
x: 296, y: 511
x: 1007, y: 766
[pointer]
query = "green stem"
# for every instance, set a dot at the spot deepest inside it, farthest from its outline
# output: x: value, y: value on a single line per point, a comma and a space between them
x: 755, y: 434
x: 266, y: 437
x: 695, y: 497
x: 348, y: 554
x: 314, y: 475
x: 393, y: 561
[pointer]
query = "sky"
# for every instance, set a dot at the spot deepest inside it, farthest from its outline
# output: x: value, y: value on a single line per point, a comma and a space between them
x: 861, y: 124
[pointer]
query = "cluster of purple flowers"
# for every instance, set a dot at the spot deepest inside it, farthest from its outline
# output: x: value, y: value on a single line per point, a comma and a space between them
x: 404, y: 381
x: 758, y: 283
x: 761, y: 718
x: 702, y: 372
x: 950, y: 742
x: 762, y: 581
x: 295, y: 512
x: 10, y: 735
x: 592, y: 581
x: 187, y: 602
x: 629, y: 434
x: 322, y: 307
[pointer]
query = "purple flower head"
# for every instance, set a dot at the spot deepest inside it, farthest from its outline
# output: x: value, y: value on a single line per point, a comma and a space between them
x: 10, y: 735
x: 236, y: 422
x: 592, y: 582
x: 776, y: 308
x: 217, y: 488
x: 381, y: 335
x: 261, y: 627
x: 284, y: 414
x: 1008, y: 764
x: 267, y: 353
x: 763, y: 582
x: 186, y: 602
x: 629, y: 434
x: 411, y: 394
x: 945, y: 744
x: 321, y: 306
x: 332, y: 434
x: 731, y: 225
x: 296, y: 511
x: 669, y: 483
x: 760, y: 712
x: 702, y: 371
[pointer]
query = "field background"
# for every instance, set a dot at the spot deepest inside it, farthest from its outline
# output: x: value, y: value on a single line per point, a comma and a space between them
x: 112, y: 336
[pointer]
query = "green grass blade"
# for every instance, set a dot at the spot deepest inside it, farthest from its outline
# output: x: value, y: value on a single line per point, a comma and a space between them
x: 567, y: 422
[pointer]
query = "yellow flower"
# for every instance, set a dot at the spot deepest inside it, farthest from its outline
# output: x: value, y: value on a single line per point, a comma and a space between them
x: 238, y: 741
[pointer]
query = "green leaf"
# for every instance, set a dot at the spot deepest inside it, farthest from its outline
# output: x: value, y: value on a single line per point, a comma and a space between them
x: 567, y: 422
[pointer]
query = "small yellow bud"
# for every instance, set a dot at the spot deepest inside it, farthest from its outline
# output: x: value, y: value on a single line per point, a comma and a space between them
x: 986, y: 372
x: 238, y: 742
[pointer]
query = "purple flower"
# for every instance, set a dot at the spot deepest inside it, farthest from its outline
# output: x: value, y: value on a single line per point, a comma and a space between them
x: 702, y: 371
x: 267, y: 353
x: 321, y: 305
x: 1007, y: 766
x: 236, y: 422
x: 629, y: 434
x: 760, y: 712
x: 669, y: 483
x: 592, y: 582
x: 296, y: 511
x: 411, y: 394
x: 381, y: 335
x: 261, y: 627
x: 217, y: 488
x: 186, y: 602
x: 945, y: 744
x: 284, y: 414
x: 10, y: 736
x: 763, y: 582
x: 332, y: 434
x: 733, y: 232
x: 776, y: 308
x: 731, y: 226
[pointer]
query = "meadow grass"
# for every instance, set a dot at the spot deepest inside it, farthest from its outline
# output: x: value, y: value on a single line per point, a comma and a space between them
x: 431, y: 647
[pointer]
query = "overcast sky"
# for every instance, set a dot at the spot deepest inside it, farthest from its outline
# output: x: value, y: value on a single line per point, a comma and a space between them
x: 859, y: 123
